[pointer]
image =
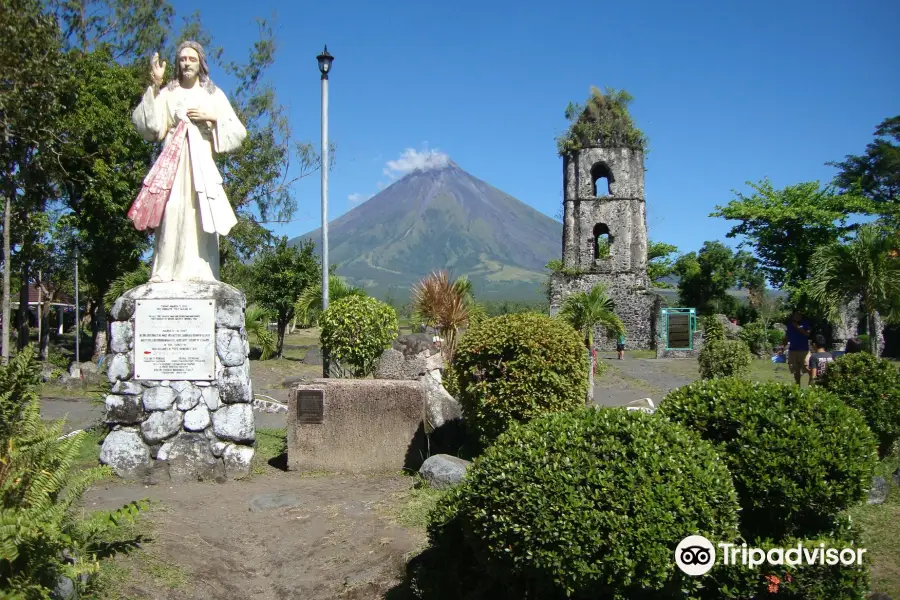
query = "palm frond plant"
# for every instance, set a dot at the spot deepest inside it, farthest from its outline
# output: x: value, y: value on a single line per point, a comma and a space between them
x: 444, y: 305
x: 867, y: 267
x: 256, y: 322
x: 585, y: 311
x: 309, y: 304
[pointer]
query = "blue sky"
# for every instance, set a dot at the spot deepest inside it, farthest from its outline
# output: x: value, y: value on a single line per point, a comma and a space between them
x: 726, y: 91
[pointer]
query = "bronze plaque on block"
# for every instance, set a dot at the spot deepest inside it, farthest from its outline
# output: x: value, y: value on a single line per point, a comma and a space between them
x: 310, y: 406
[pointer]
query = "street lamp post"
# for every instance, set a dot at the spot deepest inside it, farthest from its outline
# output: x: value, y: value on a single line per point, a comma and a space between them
x: 324, y: 68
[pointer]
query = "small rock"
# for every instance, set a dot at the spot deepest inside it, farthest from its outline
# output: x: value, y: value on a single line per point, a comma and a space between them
x: 210, y: 397
x: 229, y: 313
x: 159, y: 398
x: 127, y: 388
x: 443, y: 471
x: 161, y: 425
x: 234, y: 422
x: 64, y: 589
x: 197, y: 418
x: 188, y: 398
x: 124, y: 410
x: 125, y: 452
x: 272, y: 501
x: 237, y: 460
x: 230, y: 347
x: 122, y: 336
x: 879, y: 492
x: 122, y: 309
x: 120, y: 368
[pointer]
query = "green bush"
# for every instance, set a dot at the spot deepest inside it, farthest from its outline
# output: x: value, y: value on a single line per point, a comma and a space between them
x: 803, y: 581
x: 756, y: 337
x: 798, y: 456
x: 40, y: 494
x: 588, y: 504
x: 518, y: 366
x: 872, y: 386
x: 724, y: 358
x: 776, y: 336
x: 713, y: 329
x: 356, y: 330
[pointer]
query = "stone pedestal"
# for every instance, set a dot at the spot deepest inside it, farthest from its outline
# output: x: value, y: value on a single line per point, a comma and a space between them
x: 181, y: 428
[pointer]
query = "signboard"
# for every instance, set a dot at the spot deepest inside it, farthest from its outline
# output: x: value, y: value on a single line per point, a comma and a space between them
x: 175, y: 340
x: 310, y: 406
x: 679, y: 331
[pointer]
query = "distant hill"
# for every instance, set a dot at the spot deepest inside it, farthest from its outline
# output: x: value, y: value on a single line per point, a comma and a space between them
x: 443, y: 218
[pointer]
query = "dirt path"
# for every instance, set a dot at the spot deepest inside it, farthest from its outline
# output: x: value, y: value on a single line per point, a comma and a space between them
x: 632, y: 378
x: 276, y: 537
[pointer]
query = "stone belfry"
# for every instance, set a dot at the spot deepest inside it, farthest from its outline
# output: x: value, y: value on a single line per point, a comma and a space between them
x: 605, y: 231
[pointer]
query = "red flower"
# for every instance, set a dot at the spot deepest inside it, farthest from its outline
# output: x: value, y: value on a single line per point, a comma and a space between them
x: 773, y: 583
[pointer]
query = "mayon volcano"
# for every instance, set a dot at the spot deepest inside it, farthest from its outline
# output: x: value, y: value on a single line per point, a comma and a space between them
x: 443, y: 218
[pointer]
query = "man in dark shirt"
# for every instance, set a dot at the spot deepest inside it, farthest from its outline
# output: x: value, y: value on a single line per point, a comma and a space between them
x: 819, y: 359
x: 796, y: 338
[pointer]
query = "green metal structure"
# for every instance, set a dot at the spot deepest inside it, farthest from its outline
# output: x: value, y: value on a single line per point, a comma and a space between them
x: 679, y: 325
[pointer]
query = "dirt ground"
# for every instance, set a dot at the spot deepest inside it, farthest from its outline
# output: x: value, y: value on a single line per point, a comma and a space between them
x: 275, y: 537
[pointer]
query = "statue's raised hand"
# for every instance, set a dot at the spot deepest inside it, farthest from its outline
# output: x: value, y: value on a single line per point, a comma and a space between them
x: 157, y: 70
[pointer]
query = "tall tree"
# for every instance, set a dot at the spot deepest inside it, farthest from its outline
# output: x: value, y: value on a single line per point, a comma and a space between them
x: 706, y: 276
x: 784, y: 227
x: 660, y: 263
x: 279, y: 276
x: 876, y: 173
x: 867, y: 267
x: 32, y: 71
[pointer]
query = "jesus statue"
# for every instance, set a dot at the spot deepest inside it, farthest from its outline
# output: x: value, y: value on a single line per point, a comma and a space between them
x: 182, y: 197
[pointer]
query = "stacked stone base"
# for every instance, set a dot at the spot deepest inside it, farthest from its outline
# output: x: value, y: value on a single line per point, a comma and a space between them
x: 181, y: 430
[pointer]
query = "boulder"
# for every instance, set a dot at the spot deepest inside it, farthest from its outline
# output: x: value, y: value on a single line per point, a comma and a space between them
x: 443, y: 471
x: 190, y: 458
x: 161, y: 425
x: 413, y: 344
x: 879, y: 491
x: 234, y: 422
x: 124, y: 410
x: 238, y: 460
x: 125, y: 451
x: 440, y: 406
x: 732, y: 331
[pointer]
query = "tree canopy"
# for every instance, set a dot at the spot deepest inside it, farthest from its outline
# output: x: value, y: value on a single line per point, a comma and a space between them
x: 601, y: 121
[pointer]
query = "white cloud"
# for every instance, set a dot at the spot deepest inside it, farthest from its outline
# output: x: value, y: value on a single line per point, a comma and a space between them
x: 413, y: 160
x: 356, y: 198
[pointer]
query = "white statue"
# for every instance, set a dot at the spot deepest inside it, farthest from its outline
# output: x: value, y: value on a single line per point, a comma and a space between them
x: 182, y: 198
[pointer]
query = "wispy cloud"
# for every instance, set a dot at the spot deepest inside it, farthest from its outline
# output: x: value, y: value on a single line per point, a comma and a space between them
x: 357, y: 198
x: 413, y: 160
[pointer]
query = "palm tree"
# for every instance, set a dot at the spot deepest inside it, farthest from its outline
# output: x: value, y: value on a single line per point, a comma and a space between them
x: 444, y: 305
x: 866, y: 267
x: 309, y: 304
x: 256, y: 321
x: 585, y: 311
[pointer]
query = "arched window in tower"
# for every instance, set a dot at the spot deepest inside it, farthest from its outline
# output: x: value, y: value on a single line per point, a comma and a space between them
x: 602, y: 179
x: 602, y: 241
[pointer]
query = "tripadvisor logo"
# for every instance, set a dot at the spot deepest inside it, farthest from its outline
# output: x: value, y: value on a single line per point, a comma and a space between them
x: 695, y: 555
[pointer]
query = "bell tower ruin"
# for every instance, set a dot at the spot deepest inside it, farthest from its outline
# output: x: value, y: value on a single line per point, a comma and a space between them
x: 604, y: 219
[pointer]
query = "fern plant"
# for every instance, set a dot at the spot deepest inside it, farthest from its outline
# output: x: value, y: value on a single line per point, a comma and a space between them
x: 41, y: 536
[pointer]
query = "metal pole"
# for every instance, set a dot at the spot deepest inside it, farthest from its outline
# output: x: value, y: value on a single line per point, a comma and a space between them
x: 324, y: 169
x: 77, y: 371
x: 40, y: 307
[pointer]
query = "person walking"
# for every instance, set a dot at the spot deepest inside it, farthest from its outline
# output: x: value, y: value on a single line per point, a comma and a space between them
x: 620, y: 346
x: 796, y: 339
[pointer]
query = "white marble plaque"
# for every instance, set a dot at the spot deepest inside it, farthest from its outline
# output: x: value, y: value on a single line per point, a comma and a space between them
x: 175, y: 339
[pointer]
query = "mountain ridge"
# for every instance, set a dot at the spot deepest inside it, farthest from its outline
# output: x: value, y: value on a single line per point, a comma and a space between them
x: 443, y: 218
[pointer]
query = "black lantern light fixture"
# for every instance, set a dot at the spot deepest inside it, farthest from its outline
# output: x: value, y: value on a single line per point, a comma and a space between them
x: 325, y: 62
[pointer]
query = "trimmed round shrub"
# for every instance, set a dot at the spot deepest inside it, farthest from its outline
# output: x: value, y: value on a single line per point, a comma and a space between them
x: 757, y: 339
x: 798, y: 456
x: 588, y: 504
x: 516, y: 367
x: 356, y: 330
x: 872, y: 386
x: 724, y: 358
